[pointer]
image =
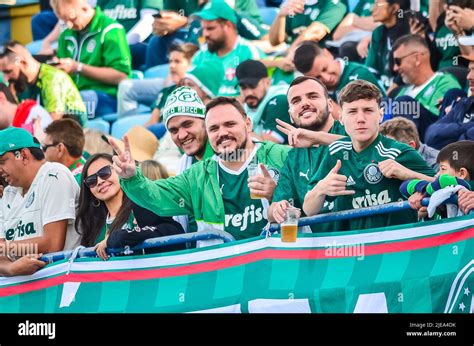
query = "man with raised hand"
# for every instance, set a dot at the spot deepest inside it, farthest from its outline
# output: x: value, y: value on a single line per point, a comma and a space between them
x: 216, y: 191
x: 310, y: 110
x: 366, y: 168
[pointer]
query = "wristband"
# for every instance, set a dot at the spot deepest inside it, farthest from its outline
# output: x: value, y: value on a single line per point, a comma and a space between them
x: 80, y: 66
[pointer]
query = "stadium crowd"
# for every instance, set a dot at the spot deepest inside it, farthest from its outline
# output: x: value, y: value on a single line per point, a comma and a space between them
x: 339, y: 105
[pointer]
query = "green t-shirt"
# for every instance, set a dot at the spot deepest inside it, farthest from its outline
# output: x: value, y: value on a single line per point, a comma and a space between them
x: 104, y: 44
x: 365, y: 178
x: 432, y: 91
x: 378, y: 56
x: 327, y: 12
x: 276, y: 108
x: 353, y: 71
x: 243, y: 50
x: 244, y: 217
x: 1, y: 78
x: 58, y: 93
x: 162, y: 96
x: 447, y: 45
x: 127, y: 12
x: 76, y: 169
x: 299, y: 167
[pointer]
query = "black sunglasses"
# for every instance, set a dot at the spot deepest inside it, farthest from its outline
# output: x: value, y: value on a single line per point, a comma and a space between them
x: 398, y: 61
x: 45, y: 147
x: 103, y: 173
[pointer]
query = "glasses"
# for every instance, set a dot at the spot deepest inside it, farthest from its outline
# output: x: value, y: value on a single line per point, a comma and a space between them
x: 103, y: 173
x: 45, y: 147
x: 398, y: 61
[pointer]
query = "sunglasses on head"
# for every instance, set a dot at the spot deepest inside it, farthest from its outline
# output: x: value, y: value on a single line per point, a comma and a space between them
x: 103, y: 173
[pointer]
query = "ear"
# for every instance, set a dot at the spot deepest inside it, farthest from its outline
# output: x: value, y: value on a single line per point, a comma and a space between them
x: 330, y: 106
x: 412, y: 144
x: 463, y: 173
x: 248, y: 124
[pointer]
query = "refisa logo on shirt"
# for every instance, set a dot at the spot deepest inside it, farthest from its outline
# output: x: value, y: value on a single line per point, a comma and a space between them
x: 21, y: 230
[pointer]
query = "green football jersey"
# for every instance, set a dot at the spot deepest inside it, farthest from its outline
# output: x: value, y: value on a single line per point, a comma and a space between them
x: 429, y: 94
x: 447, y: 45
x: 244, y: 217
x: 103, y: 44
x: 378, y: 56
x: 276, y: 108
x: 243, y: 50
x: 299, y: 167
x: 127, y: 12
x: 58, y: 93
x: 352, y: 71
x: 365, y: 178
x: 327, y: 12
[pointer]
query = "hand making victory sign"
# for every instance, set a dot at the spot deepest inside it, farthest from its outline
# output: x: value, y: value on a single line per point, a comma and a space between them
x: 124, y: 164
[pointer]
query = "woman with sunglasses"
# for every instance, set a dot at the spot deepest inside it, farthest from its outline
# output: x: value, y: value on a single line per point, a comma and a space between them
x: 107, y: 218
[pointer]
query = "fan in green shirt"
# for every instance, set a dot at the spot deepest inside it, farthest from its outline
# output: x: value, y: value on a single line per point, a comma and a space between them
x: 262, y: 103
x: 364, y: 169
x: 310, y: 111
x: 424, y: 87
x: 215, y: 191
x: 318, y: 18
x: 224, y: 45
x: 95, y: 51
x: 312, y: 60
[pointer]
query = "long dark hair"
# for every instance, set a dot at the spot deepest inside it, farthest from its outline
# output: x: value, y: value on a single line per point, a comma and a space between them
x: 90, y: 219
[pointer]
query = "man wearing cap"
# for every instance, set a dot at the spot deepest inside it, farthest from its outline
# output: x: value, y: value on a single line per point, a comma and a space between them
x: 64, y: 143
x: 187, y: 130
x: 458, y: 123
x: 262, y: 103
x: 215, y: 191
x: 223, y: 44
x: 38, y: 206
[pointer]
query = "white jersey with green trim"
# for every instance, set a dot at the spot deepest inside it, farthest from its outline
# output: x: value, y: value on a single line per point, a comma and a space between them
x: 53, y: 196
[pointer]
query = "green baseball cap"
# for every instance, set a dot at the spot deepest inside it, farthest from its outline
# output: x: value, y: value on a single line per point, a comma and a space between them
x: 13, y: 138
x: 217, y: 9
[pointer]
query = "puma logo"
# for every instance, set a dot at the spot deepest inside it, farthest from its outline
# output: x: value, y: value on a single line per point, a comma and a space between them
x: 305, y: 174
x: 53, y: 175
x: 273, y: 102
x: 221, y: 188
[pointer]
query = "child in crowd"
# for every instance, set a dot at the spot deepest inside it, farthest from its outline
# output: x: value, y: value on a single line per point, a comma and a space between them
x: 456, y: 167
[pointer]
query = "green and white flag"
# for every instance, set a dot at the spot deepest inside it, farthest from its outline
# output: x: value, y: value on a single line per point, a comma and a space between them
x: 426, y: 267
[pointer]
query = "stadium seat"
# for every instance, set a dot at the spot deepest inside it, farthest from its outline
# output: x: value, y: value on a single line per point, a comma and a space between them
x: 121, y: 126
x: 268, y: 14
x: 159, y: 71
x: 99, y: 124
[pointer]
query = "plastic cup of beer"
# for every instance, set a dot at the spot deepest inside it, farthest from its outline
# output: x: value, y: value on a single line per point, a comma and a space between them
x: 289, y: 227
x: 253, y: 170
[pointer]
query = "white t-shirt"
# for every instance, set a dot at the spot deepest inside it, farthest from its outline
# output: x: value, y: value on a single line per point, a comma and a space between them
x: 53, y: 196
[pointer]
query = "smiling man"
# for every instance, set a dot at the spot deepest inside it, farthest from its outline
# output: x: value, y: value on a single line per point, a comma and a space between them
x: 314, y: 61
x: 366, y: 168
x: 38, y: 206
x: 215, y: 191
x: 310, y: 109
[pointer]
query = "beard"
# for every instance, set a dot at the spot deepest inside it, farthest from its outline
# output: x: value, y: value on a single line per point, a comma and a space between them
x: 252, y: 98
x: 234, y: 155
x: 214, y: 46
x: 318, y: 123
x: 21, y: 84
